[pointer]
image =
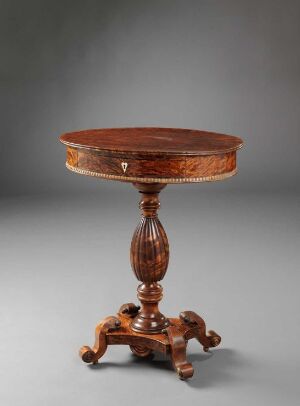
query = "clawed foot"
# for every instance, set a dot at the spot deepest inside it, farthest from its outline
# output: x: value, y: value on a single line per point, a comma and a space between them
x: 91, y: 355
x: 211, y: 339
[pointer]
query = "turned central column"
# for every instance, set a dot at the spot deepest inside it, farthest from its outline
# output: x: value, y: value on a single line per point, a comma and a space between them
x: 149, y: 256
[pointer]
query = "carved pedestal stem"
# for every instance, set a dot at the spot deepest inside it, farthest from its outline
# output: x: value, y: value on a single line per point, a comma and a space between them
x: 149, y: 256
x: 144, y: 328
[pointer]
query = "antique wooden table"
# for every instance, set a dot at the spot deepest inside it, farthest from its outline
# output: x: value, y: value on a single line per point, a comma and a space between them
x: 150, y: 158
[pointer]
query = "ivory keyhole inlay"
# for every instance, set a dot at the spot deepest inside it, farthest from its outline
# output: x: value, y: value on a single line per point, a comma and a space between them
x: 124, y: 166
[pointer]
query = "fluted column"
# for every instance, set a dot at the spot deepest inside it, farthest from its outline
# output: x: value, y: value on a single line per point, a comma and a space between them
x: 149, y: 256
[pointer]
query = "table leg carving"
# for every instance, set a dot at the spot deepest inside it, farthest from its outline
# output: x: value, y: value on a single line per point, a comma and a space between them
x: 91, y: 355
x: 178, y: 344
x: 211, y: 339
x: 144, y: 328
x: 149, y: 256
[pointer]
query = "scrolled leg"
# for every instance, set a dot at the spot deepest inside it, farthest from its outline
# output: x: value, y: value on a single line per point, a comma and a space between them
x: 211, y: 339
x: 178, y: 353
x: 91, y: 355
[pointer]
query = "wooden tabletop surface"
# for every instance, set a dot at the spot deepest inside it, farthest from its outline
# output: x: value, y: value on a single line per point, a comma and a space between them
x: 152, y: 155
x: 153, y: 140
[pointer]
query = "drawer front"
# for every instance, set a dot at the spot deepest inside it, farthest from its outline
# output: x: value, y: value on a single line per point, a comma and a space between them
x: 130, y: 167
x: 163, y: 168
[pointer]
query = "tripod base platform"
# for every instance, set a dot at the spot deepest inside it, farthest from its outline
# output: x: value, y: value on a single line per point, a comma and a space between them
x: 171, y: 340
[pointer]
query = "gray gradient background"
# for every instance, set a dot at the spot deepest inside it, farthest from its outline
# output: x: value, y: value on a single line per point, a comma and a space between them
x: 229, y: 66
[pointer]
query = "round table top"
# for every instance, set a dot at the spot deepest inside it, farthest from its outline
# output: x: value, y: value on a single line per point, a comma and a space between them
x: 152, y: 155
x: 153, y: 140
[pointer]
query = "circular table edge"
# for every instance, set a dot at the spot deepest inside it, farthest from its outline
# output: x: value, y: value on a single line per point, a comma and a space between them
x: 175, y: 178
x: 112, y: 151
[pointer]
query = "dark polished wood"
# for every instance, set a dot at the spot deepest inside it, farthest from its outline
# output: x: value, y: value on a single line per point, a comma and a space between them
x: 153, y: 140
x: 152, y: 155
x: 172, y: 340
x: 149, y: 257
x: 151, y: 158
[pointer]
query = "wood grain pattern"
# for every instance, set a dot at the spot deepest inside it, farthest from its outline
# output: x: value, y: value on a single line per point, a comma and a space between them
x: 150, y: 158
x: 93, y: 354
x: 149, y: 252
x: 118, y: 331
x: 144, y: 328
x: 180, y: 169
x: 153, y: 140
x: 177, y: 342
x: 149, y: 256
x: 72, y: 156
x: 211, y: 339
x: 152, y: 154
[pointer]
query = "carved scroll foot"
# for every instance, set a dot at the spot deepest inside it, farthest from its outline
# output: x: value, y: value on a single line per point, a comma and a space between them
x: 91, y: 355
x: 178, y: 353
x: 211, y: 339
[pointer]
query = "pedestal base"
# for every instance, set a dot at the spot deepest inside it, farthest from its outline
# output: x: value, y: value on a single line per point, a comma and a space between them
x: 172, y: 340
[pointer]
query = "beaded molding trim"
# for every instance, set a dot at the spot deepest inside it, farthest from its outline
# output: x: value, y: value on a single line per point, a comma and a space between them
x: 151, y: 180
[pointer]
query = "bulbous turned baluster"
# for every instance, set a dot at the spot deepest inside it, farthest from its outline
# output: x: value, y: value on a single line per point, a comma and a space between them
x: 149, y: 257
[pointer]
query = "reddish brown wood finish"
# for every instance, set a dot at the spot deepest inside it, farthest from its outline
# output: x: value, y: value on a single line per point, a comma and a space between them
x: 178, y: 353
x: 92, y: 355
x: 146, y: 329
x: 173, y: 340
x: 153, y: 140
x: 212, y: 339
x: 149, y: 257
x: 152, y: 155
x: 150, y: 158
